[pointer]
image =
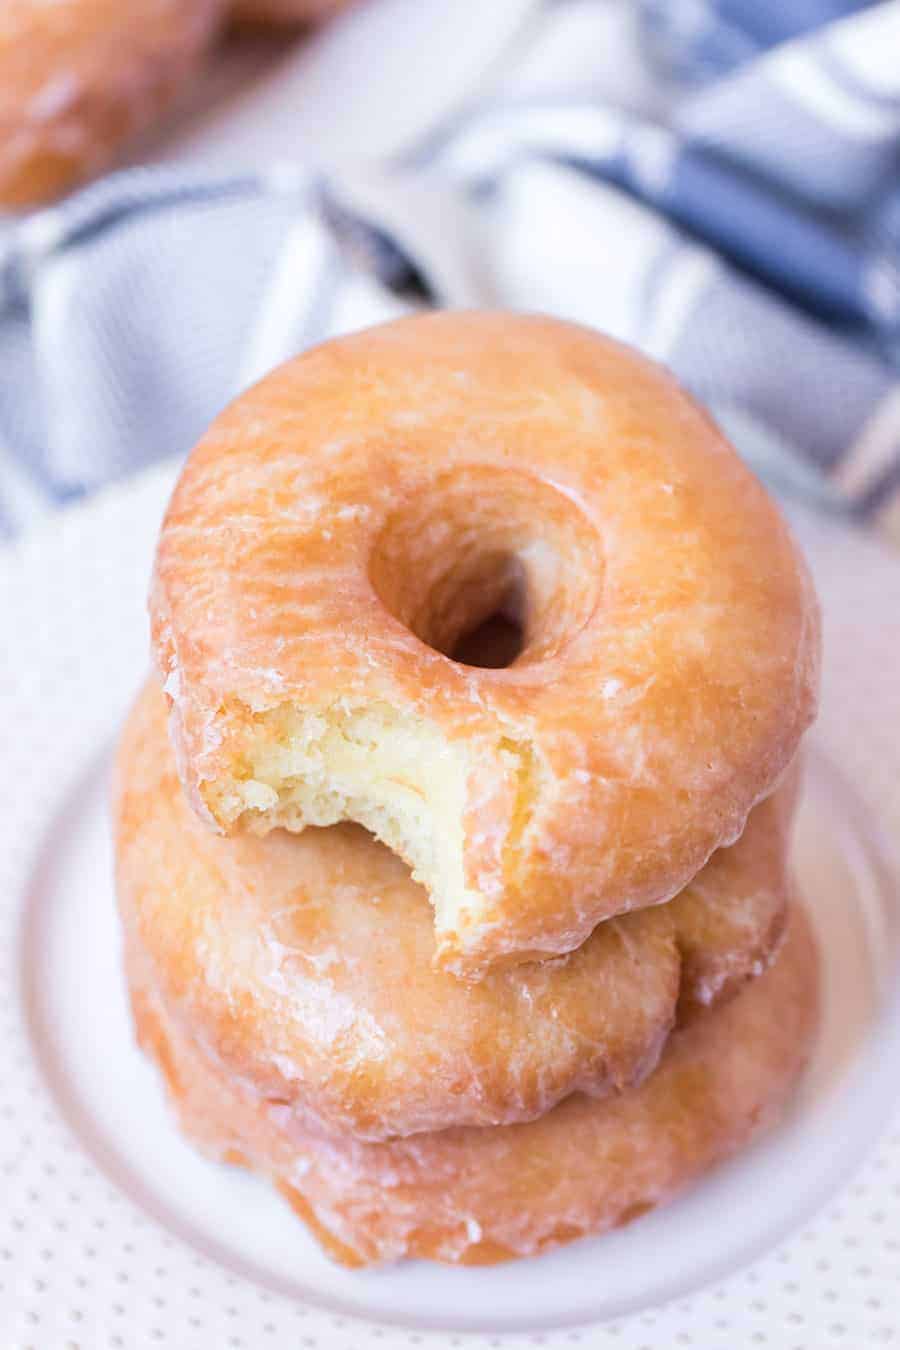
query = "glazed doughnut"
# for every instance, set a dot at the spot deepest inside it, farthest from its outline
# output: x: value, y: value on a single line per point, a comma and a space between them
x: 285, y: 12
x: 480, y: 1196
x: 343, y: 526
x: 284, y: 956
x: 79, y: 78
x: 730, y: 918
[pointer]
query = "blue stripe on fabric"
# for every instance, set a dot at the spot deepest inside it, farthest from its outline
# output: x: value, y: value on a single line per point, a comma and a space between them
x: 766, y: 235
x: 773, y: 21
x: 691, y: 41
x: 702, y: 39
x: 747, y: 219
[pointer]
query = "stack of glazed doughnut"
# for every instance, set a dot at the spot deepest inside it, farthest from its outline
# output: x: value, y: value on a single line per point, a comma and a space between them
x: 452, y: 838
x: 79, y: 79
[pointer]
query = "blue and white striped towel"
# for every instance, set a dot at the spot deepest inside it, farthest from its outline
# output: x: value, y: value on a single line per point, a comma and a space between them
x: 748, y: 235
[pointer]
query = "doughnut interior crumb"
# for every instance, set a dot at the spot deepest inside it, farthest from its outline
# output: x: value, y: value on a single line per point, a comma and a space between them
x: 390, y: 772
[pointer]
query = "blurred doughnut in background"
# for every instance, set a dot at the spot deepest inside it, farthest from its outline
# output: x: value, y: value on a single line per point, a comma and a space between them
x: 81, y: 79
x: 292, y: 12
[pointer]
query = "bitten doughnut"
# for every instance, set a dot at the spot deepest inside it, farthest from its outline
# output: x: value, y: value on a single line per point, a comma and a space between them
x: 303, y: 964
x: 478, y: 1196
x: 346, y: 523
x: 79, y: 78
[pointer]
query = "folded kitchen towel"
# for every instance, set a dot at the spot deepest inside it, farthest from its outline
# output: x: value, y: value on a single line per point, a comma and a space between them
x: 741, y: 224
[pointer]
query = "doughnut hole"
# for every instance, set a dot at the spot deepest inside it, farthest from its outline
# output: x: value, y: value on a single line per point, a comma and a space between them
x: 495, y: 643
x: 490, y: 568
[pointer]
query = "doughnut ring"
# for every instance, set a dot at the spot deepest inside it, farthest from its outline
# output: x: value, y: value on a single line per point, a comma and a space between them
x: 478, y: 1196
x: 79, y: 78
x: 343, y: 527
x: 284, y: 954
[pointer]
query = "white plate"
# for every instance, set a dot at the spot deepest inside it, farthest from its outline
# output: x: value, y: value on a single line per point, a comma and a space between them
x: 114, y: 1233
